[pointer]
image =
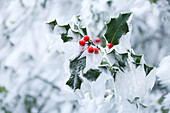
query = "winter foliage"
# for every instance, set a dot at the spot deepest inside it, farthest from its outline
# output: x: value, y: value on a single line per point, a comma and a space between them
x: 89, y: 56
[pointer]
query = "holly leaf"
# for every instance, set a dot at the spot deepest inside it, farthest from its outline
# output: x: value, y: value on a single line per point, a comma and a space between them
x: 65, y: 38
x: 64, y: 35
x: 92, y: 74
x: 77, y: 27
x: 73, y: 26
x: 84, y: 30
x: 120, y: 59
x: 164, y: 110
x: 153, y: 1
x: 74, y: 81
x: 116, y: 28
x: 76, y: 66
x: 137, y: 59
x: 52, y: 24
x: 3, y: 89
x: 148, y: 69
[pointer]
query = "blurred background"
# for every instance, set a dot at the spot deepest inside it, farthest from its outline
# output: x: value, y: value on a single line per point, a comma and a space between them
x: 32, y: 68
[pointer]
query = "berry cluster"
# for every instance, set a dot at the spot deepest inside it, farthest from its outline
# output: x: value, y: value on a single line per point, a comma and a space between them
x: 86, y: 40
x: 91, y: 49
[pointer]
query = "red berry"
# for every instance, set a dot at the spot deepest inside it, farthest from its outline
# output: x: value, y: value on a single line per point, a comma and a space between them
x: 98, y: 40
x: 110, y: 45
x: 94, y: 42
x: 82, y: 42
x: 96, y: 50
x: 86, y: 38
x: 90, y: 49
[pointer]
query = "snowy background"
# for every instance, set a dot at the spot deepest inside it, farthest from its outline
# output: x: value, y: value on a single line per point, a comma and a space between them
x: 32, y: 65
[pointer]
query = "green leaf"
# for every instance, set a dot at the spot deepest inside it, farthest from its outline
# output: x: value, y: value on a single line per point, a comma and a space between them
x: 76, y: 66
x: 92, y: 74
x: 116, y: 28
x: 77, y: 27
x: 65, y: 38
x: 161, y: 100
x: 74, y: 81
x: 104, y: 62
x: 137, y: 64
x: 164, y: 110
x: 120, y: 59
x: 148, y: 69
x: 84, y: 30
x: 3, y: 89
x: 30, y: 102
x: 143, y: 105
x: 64, y: 35
x: 153, y: 1
x: 52, y: 24
x: 109, y: 3
x: 137, y: 59
x: 66, y: 27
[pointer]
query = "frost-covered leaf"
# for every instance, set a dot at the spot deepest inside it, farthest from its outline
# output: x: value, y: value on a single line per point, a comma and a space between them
x: 74, y: 81
x: 164, y: 110
x: 76, y: 66
x: 65, y: 38
x: 137, y: 59
x: 148, y: 69
x: 142, y: 105
x: 76, y: 25
x: 120, y: 59
x: 3, y: 89
x: 116, y: 28
x: 64, y: 35
x: 71, y: 30
x: 30, y: 102
x: 84, y: 30
x: 161, y: 100
x: 153, y: 1
x: 92, y: 74
x: 52, y: 24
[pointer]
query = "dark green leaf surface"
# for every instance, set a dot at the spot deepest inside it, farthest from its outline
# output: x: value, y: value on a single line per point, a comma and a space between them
x: 116, y: 28
x: 120, y: 59
x: 92, y: 74
x: 74, y: 81
x: 153, y: 1
x: 76, y: 28
x: 137, y: 59
x: 64, y: 36
x: 148, y: 69
x: 76, y: 66
x: 3, y: 89
x: 52, y: 24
